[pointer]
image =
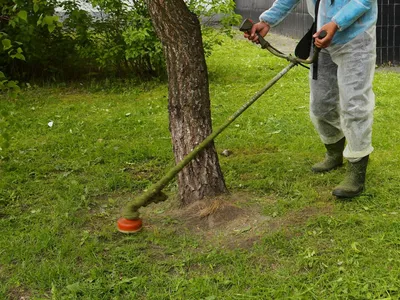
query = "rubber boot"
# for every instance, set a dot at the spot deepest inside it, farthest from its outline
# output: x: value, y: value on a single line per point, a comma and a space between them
x: 333, y: 157
x: 353, y: 183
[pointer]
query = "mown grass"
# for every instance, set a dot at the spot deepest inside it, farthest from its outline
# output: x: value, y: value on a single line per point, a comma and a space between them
x: 62, y: 188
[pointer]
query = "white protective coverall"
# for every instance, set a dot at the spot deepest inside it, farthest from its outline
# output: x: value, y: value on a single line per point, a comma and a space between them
x: 342, y: 100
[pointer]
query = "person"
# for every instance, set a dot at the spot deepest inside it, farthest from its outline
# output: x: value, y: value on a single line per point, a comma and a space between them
x: 341, y: 98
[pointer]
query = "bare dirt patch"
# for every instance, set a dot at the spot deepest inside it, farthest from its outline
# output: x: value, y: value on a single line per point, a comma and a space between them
x: 233, y: 221
x: 19, y: 293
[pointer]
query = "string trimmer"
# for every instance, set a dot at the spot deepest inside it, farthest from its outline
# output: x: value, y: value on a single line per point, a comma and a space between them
x: 131, y: 222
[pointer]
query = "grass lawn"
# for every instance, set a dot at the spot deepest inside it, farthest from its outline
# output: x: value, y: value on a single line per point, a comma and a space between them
x: 78, y: 155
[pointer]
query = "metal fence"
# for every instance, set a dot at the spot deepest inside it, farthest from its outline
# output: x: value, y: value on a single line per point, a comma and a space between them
x: 299, y: 21
x: 388, y: 32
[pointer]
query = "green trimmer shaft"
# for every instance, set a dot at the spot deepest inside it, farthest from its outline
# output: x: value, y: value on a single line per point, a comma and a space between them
x: 154, y: 193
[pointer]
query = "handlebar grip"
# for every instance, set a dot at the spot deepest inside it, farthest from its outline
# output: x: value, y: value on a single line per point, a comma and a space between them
x: 322, y: 34
x: 246, y: 26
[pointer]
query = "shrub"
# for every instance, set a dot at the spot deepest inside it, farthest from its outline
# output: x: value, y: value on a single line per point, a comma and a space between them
x: 59, y: 40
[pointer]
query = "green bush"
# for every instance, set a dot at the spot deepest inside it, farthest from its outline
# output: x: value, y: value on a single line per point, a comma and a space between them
x: 118, y: 40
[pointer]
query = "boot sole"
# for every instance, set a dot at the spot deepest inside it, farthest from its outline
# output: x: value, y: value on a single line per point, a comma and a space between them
x: 326, y: 170
x: 344, y: 194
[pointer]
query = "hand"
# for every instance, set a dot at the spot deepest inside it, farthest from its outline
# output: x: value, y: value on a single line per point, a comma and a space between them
x: 330, y: 29
x: 261, y: 27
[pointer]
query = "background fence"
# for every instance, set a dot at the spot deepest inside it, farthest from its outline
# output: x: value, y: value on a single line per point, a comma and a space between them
x: 299, y: 21
x: 388, y: 32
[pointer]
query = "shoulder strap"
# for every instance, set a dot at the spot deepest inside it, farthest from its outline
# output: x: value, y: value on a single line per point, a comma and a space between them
x: 316, y: 10
x: 315, y: 64
x: 303, y: 47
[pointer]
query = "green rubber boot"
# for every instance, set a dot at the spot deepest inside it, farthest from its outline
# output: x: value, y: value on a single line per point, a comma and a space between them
x: 353, y: 183
x: 333, y: 157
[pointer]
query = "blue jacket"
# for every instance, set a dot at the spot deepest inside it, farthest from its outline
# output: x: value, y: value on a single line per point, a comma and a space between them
x: 352, y: 16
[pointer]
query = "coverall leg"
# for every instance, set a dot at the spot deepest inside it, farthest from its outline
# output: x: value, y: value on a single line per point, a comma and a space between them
x: 342, y: 100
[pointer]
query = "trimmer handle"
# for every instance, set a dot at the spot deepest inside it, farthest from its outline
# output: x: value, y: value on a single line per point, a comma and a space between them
x: 322, y: 34
x: 247, y: 25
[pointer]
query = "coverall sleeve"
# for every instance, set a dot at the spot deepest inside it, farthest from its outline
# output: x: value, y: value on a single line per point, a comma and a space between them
x: 349, y: 13
x: 278, y: 11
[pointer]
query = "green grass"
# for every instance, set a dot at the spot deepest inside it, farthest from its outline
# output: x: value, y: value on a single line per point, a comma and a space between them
x: 62, y: 189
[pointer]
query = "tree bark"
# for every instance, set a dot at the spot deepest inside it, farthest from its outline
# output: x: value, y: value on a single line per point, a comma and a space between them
x: 189, y: 100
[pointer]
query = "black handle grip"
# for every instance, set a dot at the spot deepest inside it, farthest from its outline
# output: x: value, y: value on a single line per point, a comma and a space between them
x: 246, y: 26
x: 322, y: 34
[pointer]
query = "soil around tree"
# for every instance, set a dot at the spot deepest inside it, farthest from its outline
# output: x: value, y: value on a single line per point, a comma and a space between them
x: 232, y: 221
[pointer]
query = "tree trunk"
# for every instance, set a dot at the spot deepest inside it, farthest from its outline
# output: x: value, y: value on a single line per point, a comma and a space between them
x: 189, y: 100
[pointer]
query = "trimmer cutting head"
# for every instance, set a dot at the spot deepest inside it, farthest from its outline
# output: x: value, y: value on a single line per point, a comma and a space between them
x: 129, y: 226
